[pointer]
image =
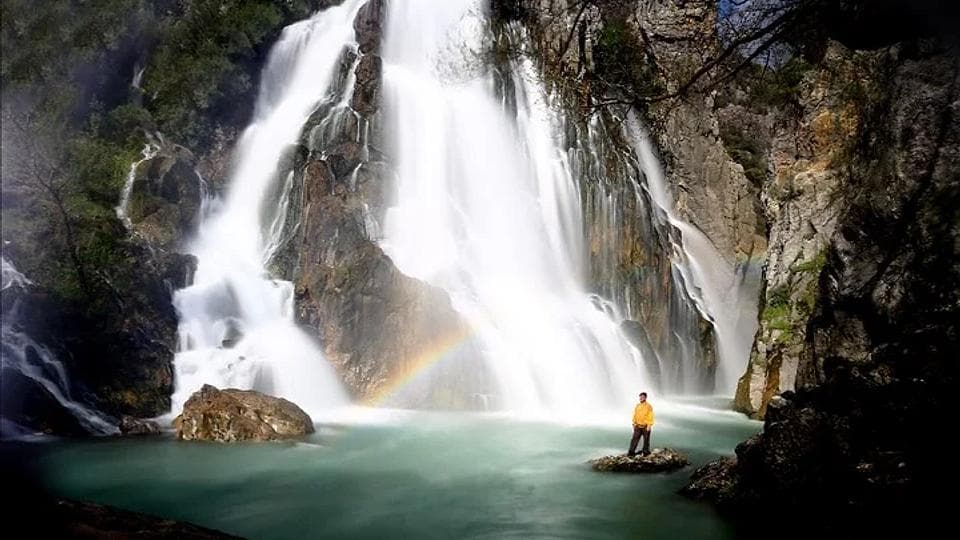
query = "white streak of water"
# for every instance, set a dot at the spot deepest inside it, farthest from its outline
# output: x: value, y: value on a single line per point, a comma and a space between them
x: 237, y: 324
x: 487, y: 210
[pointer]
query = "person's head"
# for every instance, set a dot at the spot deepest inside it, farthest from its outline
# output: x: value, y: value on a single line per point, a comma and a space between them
x: 643, y: 397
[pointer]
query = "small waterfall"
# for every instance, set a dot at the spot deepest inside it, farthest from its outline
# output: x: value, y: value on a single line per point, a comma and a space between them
x: 237, y: 324
x: 150, y: 150
x: 23, y: 359
x: 632, y: 247
x: 488, y: 210
x: 726, y: 297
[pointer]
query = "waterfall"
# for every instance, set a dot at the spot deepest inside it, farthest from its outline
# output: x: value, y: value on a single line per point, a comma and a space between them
x: 25, y: 361
x: 725, y: 296
x: 487, y: 209
x: 150, y: 150
x: 237, y: 324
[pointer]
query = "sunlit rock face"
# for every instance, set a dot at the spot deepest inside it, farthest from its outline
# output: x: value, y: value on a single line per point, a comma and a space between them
x: 232, y: 415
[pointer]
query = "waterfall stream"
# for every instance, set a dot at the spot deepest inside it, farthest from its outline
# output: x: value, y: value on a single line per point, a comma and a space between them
x: 491, y: 195
x: 24, y: 360
x: 488, y: 210
x: 237, y: 325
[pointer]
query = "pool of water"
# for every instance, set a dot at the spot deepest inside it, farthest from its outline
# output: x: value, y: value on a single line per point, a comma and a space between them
x: 398, y: 474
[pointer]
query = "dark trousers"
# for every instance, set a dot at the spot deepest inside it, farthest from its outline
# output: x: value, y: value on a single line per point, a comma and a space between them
x: 638, y: 432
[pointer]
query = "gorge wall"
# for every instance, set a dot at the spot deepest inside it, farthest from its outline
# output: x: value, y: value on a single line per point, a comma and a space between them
x: 838, y: 170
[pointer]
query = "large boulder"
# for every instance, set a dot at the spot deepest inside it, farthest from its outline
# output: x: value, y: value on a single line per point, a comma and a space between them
x: 659, y: 460
x: 232, y: 415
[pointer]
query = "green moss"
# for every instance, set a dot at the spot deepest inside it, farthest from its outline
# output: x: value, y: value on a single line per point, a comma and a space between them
x: 777, y: 313
x: 747, y: 150
x: 619, y: 59
x: 813, y: 265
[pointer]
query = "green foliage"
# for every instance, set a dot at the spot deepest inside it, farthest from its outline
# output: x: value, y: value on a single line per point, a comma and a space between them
x: 197, y: 64
x: 35, y: 35
x: 71, y: 61
x: 44, y: 44
x: 747, y: 150
x: 814, y: 265
x: 773, y: 88
x: 619, y: 59
x: 777, y: 311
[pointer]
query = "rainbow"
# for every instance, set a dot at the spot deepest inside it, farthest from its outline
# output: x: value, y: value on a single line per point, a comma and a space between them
x: 441, y: 348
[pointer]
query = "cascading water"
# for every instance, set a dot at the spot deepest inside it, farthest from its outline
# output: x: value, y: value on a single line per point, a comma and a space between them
x: 487, y: 210
x: 725, y: 296
x: 149, y: 151
x: 236, y: 323
x: 26, y: 362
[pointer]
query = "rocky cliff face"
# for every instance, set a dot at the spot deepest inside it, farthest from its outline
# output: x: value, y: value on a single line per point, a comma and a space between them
x: 840, y: 173
x: 868, y: 331
x: 803, y: 149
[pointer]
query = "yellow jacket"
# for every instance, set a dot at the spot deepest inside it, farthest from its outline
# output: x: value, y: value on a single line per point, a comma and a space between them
x: 643, y: 415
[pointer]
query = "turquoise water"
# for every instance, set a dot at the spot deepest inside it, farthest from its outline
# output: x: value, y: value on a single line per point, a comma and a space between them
x: 411, y: 475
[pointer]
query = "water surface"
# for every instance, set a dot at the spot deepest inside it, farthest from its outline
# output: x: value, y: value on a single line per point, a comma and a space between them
x: 395, y: 474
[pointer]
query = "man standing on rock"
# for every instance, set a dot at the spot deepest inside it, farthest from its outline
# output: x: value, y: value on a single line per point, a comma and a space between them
x: 642, y: 424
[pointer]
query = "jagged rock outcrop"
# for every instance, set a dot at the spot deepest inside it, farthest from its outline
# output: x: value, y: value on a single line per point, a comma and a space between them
x: 879, y: 355
x: 164, y: 207
x: 373, y: 321
x: 659, y: 460
x: 804, y: 147
x: 711, y: 191
x: 232, y: 415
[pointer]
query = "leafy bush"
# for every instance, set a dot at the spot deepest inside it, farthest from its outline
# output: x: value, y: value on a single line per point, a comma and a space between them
x: 206, y: 58
x: 619, y: 59
x: 747, y: 150
x: 773, y: 88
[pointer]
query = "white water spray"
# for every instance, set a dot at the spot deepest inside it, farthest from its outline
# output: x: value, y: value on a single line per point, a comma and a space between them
x: 236, y: 323
x: 23, y: 358
x: 488, y: 210
x: 724, y: 297
x: 150, y: 150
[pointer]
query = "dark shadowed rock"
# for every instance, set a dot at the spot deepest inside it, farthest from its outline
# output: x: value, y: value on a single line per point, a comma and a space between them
x: 138, y: 426
x: 368, y: 25
x: 165, y: 199
x: 366, y: 96
x: 659, y: 460
x: 74, y: 519
x: 714, y: 481
x: 232, y: 415
x: 344, y: 158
